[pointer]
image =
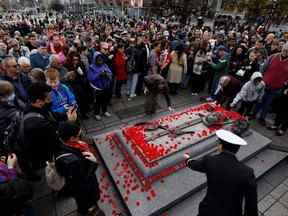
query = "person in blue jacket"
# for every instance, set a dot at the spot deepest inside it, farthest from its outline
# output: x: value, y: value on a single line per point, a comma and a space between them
x: 62, y: 97
x: 100, y: 78
x: 40, y: 58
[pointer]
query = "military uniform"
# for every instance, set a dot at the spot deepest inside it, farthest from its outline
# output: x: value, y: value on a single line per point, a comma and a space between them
x: 229, y: 183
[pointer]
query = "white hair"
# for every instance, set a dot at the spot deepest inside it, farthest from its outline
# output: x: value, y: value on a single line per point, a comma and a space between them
x: 24, y: 60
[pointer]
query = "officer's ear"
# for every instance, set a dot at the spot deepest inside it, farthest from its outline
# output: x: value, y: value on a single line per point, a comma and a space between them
x: 220, y: 147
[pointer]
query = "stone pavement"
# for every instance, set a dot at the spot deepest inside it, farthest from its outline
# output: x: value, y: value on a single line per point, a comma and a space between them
x: 272, y: 187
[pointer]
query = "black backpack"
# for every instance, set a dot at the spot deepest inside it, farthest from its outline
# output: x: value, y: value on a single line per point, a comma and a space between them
x: 14, y: 136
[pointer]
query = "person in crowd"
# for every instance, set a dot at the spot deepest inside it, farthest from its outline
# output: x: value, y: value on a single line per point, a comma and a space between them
x: 227, y: 89
x: 260, y: 51
x: 143, y: 47
x: 249, y: 67
x: 229, y: 181
x: 177, y: 69
x: 275, y: 76
x: 81, y: 181
x: 8, y: 110
x: 24, y: 65
x: 275, y: 47
x: 40, y: 58
x: 37, y: 75
x: 32, y: 42
x: 100, y: 78
x: 77, y: 80
x: 54, y: 62
x: 198, y: 74
x: 56, y: 47
x: 18, y: 51
x: 3, y: 51
x: 216, y: 44
x: 165, y: 58
x: 268, y: 42
x: 237, y: 59
x: 20, y: 81
x: 281, y: 120
x: 15, y: 192
x: 62, y: 97
x: 155, y: 84
x: 218, y: 70
x: 120, y: 69
x: 131, y: 64
x: 154, y: 59
x: 40, y: 126
x: 251, y: 93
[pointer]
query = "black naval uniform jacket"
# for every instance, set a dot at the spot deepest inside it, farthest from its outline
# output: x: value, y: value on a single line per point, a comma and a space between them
x: 229, y: 183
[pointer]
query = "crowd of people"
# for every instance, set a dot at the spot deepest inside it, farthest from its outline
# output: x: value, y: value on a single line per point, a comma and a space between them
x: 58, y: 69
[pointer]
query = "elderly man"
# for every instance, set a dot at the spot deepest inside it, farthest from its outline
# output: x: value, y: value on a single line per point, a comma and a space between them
x: 18, y: 51
x: 19, y: 81
x: 56, y: 64
x: 275, y: 76
x: 24, y: 65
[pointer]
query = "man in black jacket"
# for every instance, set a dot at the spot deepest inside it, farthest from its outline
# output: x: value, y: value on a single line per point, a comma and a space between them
x: 40, y: 131
x: 228, y: 180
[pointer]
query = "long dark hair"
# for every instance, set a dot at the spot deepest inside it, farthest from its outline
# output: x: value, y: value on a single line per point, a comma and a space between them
x: 180, y: 49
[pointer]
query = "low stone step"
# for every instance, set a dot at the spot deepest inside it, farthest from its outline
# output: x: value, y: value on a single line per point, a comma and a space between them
x: 265, y: 161
x: 262, y: 163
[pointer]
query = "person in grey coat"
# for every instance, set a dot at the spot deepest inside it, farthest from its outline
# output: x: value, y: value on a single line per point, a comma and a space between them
x: 251, y: 93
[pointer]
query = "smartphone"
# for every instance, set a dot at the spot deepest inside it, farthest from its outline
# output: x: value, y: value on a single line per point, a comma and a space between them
x: 74, y: 108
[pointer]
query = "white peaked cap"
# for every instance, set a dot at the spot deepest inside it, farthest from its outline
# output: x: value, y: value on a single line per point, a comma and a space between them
x: 230, y: 137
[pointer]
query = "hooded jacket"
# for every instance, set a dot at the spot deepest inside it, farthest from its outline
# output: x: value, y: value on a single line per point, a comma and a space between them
x: 100, y: 77
x: 62, y: 97
x: 250, y: 92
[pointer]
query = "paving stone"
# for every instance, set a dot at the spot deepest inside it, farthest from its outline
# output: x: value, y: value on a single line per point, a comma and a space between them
x: 266, y: 203
x: 45, y: 206
x: 264, y: 188
x: 279, y: 191
x: 277, y: 176
x: 284, y: 199
x: 286, y: 182
x: 65, y: 206
x: 41, y: 188
x: 277, y: 210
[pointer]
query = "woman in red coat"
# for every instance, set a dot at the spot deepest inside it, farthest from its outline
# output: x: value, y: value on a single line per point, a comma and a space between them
x: 120, y: 69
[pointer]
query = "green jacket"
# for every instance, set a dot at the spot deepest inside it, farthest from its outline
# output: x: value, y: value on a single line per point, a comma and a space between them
x: 221, y: 68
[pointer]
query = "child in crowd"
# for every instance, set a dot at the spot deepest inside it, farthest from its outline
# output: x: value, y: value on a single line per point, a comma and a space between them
x: 79, y: 170
x: 251, y: 93
x: 62, y: 97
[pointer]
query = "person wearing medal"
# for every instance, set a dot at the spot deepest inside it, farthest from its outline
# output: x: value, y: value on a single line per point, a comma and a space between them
x: 229, y: 181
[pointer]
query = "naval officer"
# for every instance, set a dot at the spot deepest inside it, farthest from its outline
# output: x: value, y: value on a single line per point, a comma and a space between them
x: 229, y: 181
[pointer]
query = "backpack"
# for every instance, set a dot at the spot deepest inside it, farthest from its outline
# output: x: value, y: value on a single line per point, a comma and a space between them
x: 131, y: 64
x: 61, y: 170
x: 13, y: 136
x: 54, y: 180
